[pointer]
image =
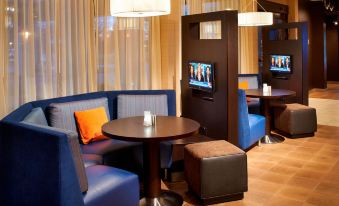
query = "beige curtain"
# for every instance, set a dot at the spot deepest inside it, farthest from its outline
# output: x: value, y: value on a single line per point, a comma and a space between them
x: 55, y: 48
x: 248, y: 36
x: 3, y: 60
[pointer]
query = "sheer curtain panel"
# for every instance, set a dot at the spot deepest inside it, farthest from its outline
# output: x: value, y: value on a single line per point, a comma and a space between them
x: 51, y: 48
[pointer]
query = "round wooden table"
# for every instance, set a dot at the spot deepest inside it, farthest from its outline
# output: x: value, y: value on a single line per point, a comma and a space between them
x: 265, y: 99
x: 166, y: 128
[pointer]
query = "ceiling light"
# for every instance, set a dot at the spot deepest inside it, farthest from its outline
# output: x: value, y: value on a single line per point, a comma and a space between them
x: 255, y: 18
x: 140, y: 8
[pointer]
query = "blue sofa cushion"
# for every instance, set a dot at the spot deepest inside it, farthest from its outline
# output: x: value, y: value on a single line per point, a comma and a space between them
x: 257, y: 127
x: 250, y: 127
x: 73, y: 143
x: 92, y: 159
x: 117, y: 153
x: 36, y: 116
x: 106, y: 146
x: 135, y: 105
x: 61, y: 115
x: 111, y: 186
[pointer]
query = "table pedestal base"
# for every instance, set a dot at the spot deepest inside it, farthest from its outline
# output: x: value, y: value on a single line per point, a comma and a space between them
x: 272, y: 139
x: 166, y: 198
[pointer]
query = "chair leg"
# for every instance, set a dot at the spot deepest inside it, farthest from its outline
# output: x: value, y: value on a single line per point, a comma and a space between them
x: 259, y: 143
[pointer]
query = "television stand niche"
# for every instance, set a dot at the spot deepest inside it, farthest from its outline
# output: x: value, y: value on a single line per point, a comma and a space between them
x: 208, y: 96
x: 280, y: 77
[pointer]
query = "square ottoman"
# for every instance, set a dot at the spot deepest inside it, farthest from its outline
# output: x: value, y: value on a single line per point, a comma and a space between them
x: 216, y: 171
x: 295, y: 120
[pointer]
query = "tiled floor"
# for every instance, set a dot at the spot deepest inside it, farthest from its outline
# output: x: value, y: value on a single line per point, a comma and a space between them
x: 302, y: 171
x: 327, y: 110
x: 332, y: 92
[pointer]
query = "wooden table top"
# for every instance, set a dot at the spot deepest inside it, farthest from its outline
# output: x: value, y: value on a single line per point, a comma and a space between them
x: 275, y: 93
x: 166, y: 128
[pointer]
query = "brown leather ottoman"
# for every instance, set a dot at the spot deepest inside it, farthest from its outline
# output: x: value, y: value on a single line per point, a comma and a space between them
x: 216, y: 171
x: 295, y: 120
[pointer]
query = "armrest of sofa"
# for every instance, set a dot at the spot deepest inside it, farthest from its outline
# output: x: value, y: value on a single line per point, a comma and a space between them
x: 37, y: 168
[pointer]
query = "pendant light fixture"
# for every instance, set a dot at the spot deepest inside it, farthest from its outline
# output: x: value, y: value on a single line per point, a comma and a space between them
x: 255, y: 18
x: 140, y: 8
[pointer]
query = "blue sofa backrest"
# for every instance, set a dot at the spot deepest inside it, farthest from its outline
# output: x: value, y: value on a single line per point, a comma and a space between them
x: 113, y: 99
x: 254, y: 80
x: 243, y: 121
x: 20, y: 113
x: 38, y: 155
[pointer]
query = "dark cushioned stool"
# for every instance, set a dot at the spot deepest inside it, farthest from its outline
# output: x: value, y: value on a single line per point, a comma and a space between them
x: 216, y: 171
x: 295, y: 120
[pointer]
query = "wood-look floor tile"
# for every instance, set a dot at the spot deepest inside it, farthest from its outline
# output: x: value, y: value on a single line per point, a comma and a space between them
x: 323, y: 200
x: 290, y: 162
x: 302, y: 182
x: 308, y: 173
x: 295, y: 193
x: 330, y: 188
x: 281, y: 201
x: 317, y: 166
x: 257, y: 197
x: 283, y: 170
x: 264, y: 186
x: 275, y: 178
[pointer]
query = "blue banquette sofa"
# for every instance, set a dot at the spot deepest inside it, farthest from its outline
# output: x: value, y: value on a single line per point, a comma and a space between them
x: 46, y: 165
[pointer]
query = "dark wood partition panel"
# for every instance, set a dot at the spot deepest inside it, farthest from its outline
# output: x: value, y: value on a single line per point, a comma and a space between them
x: 216, y: 112
x: 298, y: 49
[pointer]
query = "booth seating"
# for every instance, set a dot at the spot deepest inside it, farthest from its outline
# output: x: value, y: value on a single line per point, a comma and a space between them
x: 295, y: 120
x: 42, y: 162
x: 216, y: 171
x: 250, y: 81
x: 251, y: 127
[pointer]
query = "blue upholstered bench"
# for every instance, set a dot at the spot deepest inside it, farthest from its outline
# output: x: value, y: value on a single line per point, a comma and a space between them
x: 254, y: 82
x: 42, y: 162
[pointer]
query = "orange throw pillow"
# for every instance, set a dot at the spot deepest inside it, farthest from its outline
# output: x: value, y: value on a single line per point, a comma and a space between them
x: 89, y: 123
x: 244, y: 85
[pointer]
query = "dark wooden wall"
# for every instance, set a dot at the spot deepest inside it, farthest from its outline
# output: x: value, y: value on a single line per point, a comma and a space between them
x: 218, y: 116
x: 298, y: 49
x: 313, y: 13
x: 332, y: 43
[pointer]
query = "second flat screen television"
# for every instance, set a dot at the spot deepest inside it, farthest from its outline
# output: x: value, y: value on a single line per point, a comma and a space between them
x: 281, y: 64
x: 201, y: 76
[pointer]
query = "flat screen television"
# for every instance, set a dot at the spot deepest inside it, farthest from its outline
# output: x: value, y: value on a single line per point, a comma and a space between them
x: 201, y: 76
x: 281, y: 64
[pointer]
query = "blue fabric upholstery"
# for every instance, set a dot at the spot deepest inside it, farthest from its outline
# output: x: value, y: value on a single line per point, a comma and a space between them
x: 92, y: 159
x: 113, y: 99
x: 20, y: 113
x: 254, y: 82
x: 39, y: 170
x: 76, y: 155
x: 111, y: 186
x: 117, y: 153
x: 135, y: 105
x: 251, y: 127
x: 46, y: 102
x: 254, y: 106
x: 61, y: 115
x: 37, y: 167
x: 36, y: 116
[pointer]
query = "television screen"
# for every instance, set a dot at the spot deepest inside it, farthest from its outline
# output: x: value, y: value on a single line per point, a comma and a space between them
x: 201, y: 76
x: 280, y: 64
